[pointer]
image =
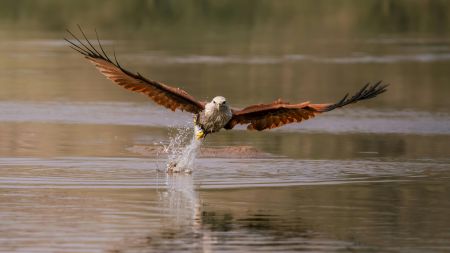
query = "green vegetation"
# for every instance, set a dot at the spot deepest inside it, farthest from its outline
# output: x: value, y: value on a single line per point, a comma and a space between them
x: 352, y: 17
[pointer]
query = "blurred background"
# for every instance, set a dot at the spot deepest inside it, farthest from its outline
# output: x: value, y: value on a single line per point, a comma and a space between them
x: 79, y: 155
x: 248, y: 51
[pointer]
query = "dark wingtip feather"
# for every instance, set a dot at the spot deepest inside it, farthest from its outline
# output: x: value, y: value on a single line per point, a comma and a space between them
x: 85, y: 37
x: 89, y: 49
x: 100, y: 45
x: 367, y: 92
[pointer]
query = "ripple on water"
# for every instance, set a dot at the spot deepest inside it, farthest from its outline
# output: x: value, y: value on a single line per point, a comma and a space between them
x: 91, y: 204
x: 209, y: 173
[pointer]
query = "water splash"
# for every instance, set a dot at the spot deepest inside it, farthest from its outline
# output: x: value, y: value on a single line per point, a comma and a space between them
x: 182, y: 150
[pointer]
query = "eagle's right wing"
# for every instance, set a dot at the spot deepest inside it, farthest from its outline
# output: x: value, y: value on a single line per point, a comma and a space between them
x: 278, y: 113
x: 162, y: 94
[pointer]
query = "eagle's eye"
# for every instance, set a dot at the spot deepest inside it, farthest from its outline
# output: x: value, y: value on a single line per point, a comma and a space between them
x: 214, y: 101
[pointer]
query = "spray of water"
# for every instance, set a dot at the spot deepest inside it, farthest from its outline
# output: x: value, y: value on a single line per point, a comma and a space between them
x: 182, y: 150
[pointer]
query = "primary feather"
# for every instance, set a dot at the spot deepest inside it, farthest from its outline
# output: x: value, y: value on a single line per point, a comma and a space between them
x: 162, y: 94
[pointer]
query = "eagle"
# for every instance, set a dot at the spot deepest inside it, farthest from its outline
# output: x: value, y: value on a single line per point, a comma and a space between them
x: 211, y: 117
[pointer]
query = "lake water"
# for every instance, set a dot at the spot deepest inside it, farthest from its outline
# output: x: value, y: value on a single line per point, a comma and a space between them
x: 82, y: 161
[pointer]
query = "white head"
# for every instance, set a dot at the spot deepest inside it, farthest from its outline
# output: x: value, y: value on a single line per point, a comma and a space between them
x: 218, y: 103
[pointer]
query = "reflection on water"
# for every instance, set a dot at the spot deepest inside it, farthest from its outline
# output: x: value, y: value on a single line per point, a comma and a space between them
x: 126, y: 205
x: 181, y: 198
x: 81, y: 162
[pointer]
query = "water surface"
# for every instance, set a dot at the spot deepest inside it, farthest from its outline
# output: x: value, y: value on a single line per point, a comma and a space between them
x: 82, y: 161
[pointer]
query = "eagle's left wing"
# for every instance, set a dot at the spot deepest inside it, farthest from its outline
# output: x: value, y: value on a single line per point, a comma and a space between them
x: 278, y: 113
x: 162, y: 94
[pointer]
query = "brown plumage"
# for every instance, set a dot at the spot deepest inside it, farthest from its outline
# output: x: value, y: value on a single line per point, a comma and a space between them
x: 278, y: 113
x: 256, y: 117
x: 162, y: 94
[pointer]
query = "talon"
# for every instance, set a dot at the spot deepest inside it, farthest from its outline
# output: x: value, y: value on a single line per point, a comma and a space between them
x: 199, y: 134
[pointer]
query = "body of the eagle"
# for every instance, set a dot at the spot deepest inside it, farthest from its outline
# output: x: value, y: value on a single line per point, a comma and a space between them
x: 214, y: 117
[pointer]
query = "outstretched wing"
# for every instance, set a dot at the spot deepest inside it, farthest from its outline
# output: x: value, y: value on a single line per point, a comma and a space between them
x: 278, y: 113
x: 162, y: 94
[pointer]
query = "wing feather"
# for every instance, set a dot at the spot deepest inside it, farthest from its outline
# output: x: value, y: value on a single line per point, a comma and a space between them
x: 279, y: 113
x: 162, y: 94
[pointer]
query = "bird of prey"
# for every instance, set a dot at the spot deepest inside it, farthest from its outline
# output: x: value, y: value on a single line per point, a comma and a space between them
x: 213, y: 116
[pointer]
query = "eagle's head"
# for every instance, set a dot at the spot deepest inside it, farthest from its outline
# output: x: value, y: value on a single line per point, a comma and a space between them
x: 220, y: 103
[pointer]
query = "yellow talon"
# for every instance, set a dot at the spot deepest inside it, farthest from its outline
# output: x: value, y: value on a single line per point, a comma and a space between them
x: 199, y: 134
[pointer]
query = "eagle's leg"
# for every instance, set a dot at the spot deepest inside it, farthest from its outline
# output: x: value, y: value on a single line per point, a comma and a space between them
x: 199, y: 133
x: 198, y: 130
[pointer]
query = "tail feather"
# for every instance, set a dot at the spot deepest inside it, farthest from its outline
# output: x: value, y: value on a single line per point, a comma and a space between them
x: 366, y: 92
